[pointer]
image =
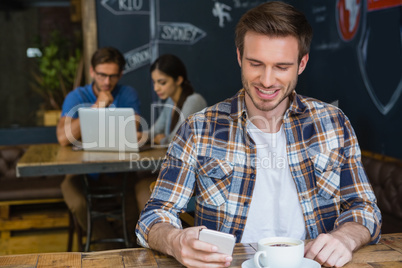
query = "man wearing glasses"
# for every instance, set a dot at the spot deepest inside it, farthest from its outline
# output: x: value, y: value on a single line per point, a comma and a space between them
x: 106, y: 70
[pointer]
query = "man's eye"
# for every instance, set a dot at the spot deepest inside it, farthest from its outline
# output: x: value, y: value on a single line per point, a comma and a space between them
x: 255, y: 64
x: 103, y: 75
x: 283, y: 68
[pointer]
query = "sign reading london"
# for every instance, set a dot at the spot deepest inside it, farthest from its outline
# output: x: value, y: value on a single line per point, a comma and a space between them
x: 137, y: 58
x: 180, y: 33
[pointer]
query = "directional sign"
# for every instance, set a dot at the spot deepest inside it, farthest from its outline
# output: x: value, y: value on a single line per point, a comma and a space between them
x: 137, y: 58
x: 179, y: 33
x: 125, y: 7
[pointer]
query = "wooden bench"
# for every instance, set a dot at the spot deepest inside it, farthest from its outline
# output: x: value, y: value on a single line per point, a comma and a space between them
x: 33, y: 215
x: 385, y: 175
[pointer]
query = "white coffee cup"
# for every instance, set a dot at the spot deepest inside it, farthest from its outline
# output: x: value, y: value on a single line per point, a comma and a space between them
x: 279, y: 252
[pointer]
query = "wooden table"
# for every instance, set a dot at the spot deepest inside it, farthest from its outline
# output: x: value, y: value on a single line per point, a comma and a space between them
x: 53, y: 159
x: 388, y: 253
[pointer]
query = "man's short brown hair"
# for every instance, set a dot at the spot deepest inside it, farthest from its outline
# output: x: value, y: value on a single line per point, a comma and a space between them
x: 275, y: 19
x: 108, y: 55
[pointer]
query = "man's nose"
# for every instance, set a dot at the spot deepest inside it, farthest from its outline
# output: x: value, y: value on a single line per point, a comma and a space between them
x: 267, y: 77
x: 107, y: 79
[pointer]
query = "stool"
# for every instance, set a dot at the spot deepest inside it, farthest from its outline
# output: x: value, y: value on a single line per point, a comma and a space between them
x: 73, y: 227
x: 110, y: 210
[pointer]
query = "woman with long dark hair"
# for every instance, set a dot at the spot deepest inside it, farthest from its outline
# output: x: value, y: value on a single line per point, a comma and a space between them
x: 169, y: 77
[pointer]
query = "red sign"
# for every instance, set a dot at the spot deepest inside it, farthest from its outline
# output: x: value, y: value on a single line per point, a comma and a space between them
x: 348, y: 17
x: 381, y: 4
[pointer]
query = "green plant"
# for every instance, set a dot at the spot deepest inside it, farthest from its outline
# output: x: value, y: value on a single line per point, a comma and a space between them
x: 57, y: 68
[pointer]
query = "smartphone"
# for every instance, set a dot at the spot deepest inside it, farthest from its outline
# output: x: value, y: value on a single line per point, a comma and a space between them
x: 225, y: 242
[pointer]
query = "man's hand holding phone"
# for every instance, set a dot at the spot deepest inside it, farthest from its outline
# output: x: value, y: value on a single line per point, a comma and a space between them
x: 225, y: 242
x: 191, y: 251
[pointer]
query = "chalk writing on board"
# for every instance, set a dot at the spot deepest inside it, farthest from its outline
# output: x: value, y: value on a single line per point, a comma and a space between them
x: 137, y: 58
x: 179, y: 33
x: 320, y: 13
x: 246, y: 4
x: 327, y: 46
x: 220, y: 10
x: 125, y: 7
x: 323, y: 39
x: 182, y: 33
x: 318, y: 9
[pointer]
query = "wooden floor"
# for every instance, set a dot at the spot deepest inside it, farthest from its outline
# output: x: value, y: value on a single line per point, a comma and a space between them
x: 35, y: 229
x: 35, y: 242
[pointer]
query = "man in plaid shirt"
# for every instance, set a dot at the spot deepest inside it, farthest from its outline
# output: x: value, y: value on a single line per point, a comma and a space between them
x: 266, y: 162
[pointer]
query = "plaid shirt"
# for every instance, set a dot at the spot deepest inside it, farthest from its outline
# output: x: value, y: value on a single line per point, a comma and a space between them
x: 213, y: 157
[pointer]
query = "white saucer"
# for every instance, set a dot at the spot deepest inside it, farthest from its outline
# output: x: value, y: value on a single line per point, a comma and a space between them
x: 307, y: 263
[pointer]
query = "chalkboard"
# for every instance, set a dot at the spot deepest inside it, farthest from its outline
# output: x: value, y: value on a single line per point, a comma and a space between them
x: 356, y: 62
x: 201, y: 33
x: 355, y: 59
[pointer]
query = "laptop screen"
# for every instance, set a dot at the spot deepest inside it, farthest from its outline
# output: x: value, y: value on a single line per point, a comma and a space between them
x: 108, y: 129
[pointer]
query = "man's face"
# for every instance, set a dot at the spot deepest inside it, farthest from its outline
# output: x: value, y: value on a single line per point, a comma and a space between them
x: 269, y: 72
x: 105, y: 76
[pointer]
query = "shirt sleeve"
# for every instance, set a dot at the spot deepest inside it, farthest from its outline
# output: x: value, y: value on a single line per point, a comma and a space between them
x: 194, y: 103
x: 160, y: 124
x: 358, y: 202
x: 174, y: 187
x: 71, y: 104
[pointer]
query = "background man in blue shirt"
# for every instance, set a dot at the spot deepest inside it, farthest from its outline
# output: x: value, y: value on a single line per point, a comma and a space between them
x: 106, y: 70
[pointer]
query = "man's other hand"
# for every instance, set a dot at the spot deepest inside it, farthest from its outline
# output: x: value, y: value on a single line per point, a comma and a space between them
x: 335, y: 249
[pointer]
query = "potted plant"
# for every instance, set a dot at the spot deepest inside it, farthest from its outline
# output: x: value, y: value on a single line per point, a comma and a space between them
x: 58, y: 72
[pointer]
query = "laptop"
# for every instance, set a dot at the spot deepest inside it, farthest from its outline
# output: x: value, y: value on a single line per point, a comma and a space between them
x: 108, y: 129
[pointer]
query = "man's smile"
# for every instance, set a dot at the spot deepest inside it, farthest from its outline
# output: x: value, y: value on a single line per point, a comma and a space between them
x: 265, y: 93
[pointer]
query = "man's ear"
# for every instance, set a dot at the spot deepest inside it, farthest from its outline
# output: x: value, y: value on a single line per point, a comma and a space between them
x: 303, y: 63
x: 238, y: 56
x: 92, y: 72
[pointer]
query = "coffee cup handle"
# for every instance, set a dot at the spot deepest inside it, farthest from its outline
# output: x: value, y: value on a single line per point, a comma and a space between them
x: 257, y: 259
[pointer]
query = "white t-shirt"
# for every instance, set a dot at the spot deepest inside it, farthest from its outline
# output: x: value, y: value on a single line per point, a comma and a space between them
x: 275, y: 209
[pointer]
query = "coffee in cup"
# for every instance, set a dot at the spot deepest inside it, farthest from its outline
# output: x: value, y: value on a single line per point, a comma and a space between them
x: 274, y: 244
x: 279, y: 252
